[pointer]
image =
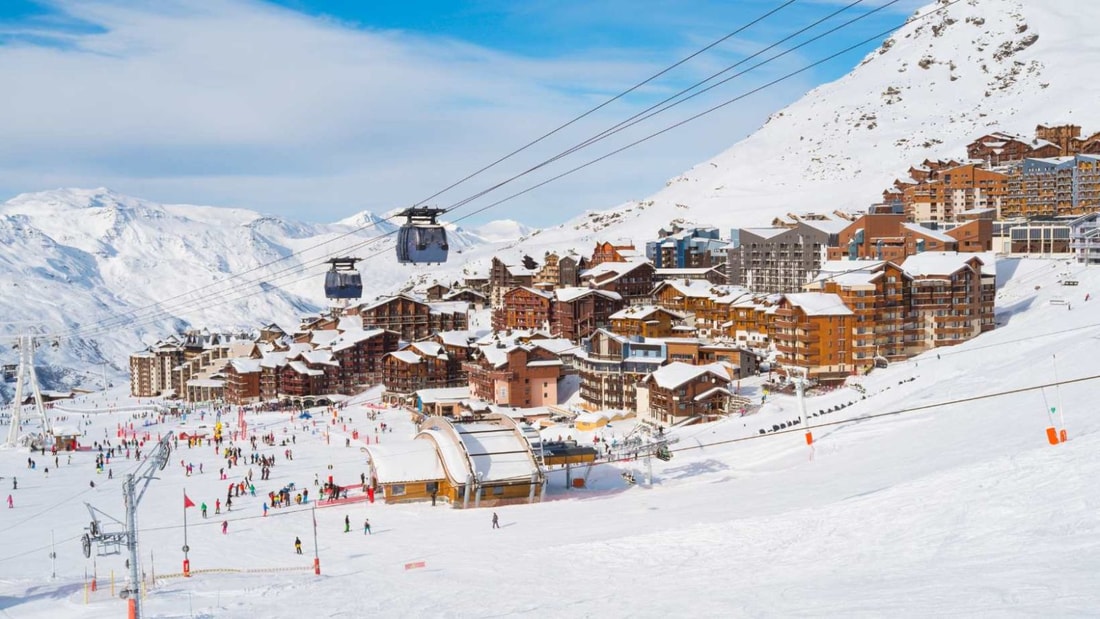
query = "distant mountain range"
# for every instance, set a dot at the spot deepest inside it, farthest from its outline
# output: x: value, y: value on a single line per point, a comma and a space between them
x: 114, y: 272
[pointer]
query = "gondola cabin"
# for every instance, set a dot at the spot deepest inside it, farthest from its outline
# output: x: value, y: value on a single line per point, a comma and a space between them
x: 422, y: 239
x: 343, y: 282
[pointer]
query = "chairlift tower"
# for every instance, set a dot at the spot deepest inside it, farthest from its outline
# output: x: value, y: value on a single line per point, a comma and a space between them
x: 26, y: 345
x: 133, y: 489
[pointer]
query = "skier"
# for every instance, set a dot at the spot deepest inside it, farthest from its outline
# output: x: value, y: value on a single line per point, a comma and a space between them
x: 366, y: 527
x: 347, y: 524
x: 496, y: 521
x: 14, y: 483
x: 265, y: 508
x: 11, y: 503
x: 225, y: 526
x: 298, y: 545
x: 203, y: 507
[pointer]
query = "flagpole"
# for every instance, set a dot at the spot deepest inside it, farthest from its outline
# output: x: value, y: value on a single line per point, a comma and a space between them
x: 186, y: 560
x: 316, y: 557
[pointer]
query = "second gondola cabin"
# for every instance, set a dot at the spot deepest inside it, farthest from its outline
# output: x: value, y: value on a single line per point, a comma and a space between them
x: 343, y: 282
x: 422, y: 239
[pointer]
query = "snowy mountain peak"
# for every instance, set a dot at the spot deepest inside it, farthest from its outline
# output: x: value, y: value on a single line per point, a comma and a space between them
x: 951, y: 74
x: 502, y: 230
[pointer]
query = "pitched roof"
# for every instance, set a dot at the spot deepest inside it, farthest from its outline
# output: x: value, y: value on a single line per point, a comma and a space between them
x: 576, y: 292
x: 935, y: 234
x: 932, y: 263
x: 677, y: 373
x: 819, y: 303
x: 642, y: 312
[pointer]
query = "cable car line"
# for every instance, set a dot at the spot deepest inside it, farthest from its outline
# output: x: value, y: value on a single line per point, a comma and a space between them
x: 627, y: 146
x: 157, y: 305
x: 404, y: 230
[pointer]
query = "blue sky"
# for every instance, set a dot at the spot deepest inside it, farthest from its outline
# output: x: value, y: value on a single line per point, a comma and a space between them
x: 317, y: 110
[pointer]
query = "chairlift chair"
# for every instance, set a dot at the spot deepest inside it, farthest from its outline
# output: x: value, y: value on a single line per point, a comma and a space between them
x: 422, y: 239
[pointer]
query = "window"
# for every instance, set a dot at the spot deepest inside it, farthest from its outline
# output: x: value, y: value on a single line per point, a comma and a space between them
x: 498, y: 490
x: 397, y: 489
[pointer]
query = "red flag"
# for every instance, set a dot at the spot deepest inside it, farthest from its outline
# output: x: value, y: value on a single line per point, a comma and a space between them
x: 187, y: 502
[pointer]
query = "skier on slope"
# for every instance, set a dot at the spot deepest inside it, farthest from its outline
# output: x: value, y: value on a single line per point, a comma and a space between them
x: 347, y: 524
x: 298, y: 545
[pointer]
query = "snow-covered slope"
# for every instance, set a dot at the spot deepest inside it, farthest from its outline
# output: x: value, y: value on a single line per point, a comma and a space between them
x: 980, y: 65
x: 108, y: 271
x: 931, y: 88
x: 953, y: 506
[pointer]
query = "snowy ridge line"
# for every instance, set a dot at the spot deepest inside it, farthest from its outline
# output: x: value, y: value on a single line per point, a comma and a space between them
x: 376, y: 223
x: 893, y: 413
x: 645, y: 114
x: 352, y: 248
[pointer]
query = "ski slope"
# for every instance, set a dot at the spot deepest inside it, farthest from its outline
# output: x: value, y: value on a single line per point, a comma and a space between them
x: 959, y: 507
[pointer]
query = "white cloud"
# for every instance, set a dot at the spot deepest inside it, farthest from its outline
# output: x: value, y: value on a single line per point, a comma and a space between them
x: 239, y: 103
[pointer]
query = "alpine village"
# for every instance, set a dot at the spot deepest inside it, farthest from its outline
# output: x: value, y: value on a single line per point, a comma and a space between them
x: 695, y: 325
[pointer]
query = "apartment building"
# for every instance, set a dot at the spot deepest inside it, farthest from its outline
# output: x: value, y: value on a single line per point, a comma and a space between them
x: 813, y: 331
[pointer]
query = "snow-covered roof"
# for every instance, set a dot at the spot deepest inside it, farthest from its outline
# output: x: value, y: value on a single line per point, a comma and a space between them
x: 443, y: 394
x: 322, y: 357
x: 828, y: 226
x: 302, y: 368
x: 544, y: 363
x: 766, y: 233
x: 847, y: 266
x: 406, y: 356
x: 462, y: 291
x: 448, y: 307
x: 349, y: 339
x: 244, y: 365
x: 608, y: 271
x: 556, y: 345
x: 409, y: 461
x: 429, y: 348
x: 642, y: 312
x: 709, y: 393
x: 677, y: 373
x: 323, y: 337
x: 576, y: 292
x: 686, y: 271
x: 350, y: 322
x: 535, y: 291
x: 696, y: 288
x: 931, y: 263
x: 497, y: 356
x: 450, y: 452
x: 935, y: 234
x: 274, y: 359
x: 819, y: 303
x: 496, y: 452
x: 363, y: 307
